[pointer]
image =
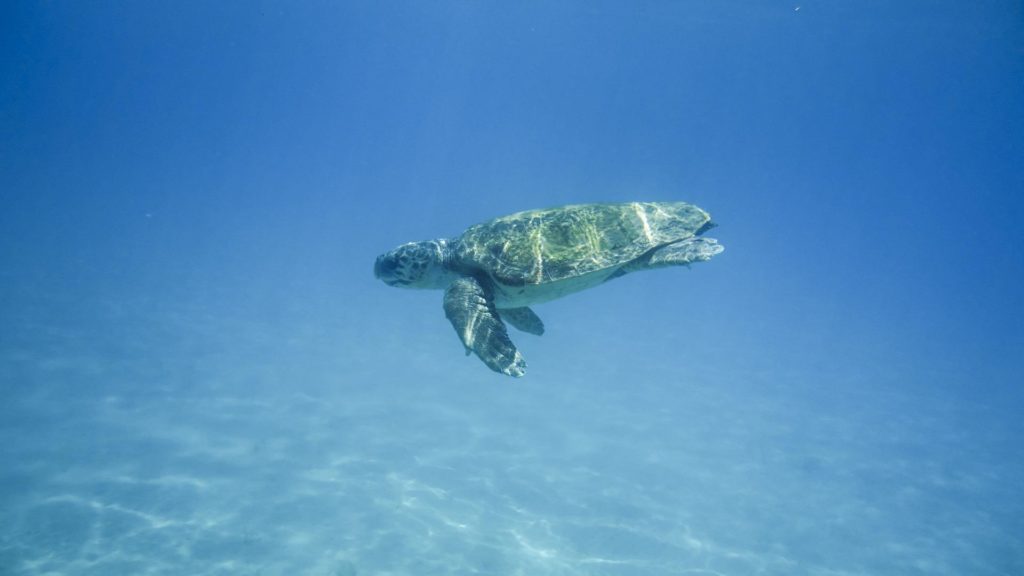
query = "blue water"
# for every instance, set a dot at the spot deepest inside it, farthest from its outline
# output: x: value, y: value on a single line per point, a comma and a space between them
x: 200, y: 374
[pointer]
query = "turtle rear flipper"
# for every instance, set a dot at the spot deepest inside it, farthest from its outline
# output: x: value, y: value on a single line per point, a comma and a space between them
x: 524, y: 319
x: 470, y: 309
x: 684, y: 253
x: 681, y: 253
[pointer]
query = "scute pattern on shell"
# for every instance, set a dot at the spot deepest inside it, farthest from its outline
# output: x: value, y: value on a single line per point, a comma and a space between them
x: 541, y: 246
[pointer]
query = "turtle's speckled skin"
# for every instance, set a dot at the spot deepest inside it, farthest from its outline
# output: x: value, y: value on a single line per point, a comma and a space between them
x: 495, y: 270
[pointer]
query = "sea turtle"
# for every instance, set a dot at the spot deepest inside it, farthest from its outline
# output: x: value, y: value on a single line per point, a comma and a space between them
x: 496, y: 269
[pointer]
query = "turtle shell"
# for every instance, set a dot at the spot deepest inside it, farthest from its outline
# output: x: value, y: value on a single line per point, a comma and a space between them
x: 542, y: 246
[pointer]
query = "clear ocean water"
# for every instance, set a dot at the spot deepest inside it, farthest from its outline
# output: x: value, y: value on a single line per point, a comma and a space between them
x: 200, y: 375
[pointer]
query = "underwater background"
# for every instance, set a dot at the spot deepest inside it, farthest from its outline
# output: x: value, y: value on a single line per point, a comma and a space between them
x: 200, y: 374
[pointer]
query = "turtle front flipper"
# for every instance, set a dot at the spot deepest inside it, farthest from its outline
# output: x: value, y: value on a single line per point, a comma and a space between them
x: 470, y: 309
x: 523, y: 319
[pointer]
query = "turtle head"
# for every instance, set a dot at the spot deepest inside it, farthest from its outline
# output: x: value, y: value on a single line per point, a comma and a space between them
x: 414, y: 265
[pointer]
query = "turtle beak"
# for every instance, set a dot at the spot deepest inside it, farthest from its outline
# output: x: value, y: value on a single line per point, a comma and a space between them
x: 384, y: 268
